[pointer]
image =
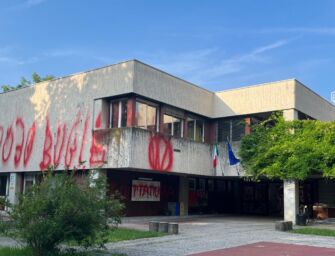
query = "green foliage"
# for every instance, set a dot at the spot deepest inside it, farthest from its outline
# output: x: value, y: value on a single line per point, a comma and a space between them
x: 64, y: 207
x: 36, y: 78
x: 315, y: 231
x: 7, y: 251
x: 289, y: 149
x: 122, y: 234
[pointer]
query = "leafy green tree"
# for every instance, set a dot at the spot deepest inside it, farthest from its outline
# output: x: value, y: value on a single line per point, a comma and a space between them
x: 36, y: 78
x: 61, y: 209
x: 289, y: 150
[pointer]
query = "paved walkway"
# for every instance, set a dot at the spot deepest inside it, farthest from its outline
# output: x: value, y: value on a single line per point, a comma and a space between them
x: 270, y: 249
x: 208, y: 233
x: 202, y: 234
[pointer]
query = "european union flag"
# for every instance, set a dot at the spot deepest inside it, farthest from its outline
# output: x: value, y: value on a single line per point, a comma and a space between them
x: 232, y: 158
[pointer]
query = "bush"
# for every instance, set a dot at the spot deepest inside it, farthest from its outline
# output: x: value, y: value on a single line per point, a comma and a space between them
x: 61, y: 209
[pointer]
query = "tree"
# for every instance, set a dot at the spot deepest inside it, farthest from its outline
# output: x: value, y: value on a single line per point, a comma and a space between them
x: 289, y: 150
x: 36, y: 78
x: 62, y: 209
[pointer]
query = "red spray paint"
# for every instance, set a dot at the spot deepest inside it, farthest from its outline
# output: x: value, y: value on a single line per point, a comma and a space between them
x: 160, y: 160
x: 83, y: 140
x: 46, y: 160
x: 98, y: 153
x: 20, y: 138
x: 71, y: 147
x: 28, y: 149
x: 60, y: 141
x: 7, y: 145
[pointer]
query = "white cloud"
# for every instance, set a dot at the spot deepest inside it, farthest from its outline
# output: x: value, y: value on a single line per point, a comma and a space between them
x: 210, y: 65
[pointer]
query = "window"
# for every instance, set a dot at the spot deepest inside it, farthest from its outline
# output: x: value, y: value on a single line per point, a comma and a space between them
x: 118, y: 113
x: 173, y: 126
x: 3, y: 185
x: 29, y: 181
x: 195, y: 128
x: 199, y: 130
x: 232, y: 129
x: 192, y: 184
x: 146, y: 116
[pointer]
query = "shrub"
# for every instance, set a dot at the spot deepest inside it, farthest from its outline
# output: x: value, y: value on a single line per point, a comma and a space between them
x: 61, y: 209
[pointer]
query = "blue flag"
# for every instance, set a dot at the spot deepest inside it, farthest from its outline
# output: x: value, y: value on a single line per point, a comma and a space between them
x: 232, y: 158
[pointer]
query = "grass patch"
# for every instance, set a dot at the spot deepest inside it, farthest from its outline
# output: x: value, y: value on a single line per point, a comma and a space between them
x: 314, y: 231
x: 113, y: 235
x: 122, y: 234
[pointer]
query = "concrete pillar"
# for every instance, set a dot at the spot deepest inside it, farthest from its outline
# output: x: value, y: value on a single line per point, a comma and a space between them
x: 15, y: 187
x: 290, y: 114
x: 183, y: 195
x: 291, y: 200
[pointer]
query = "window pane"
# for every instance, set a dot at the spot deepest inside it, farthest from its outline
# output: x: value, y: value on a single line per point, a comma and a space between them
x: 167, y: 124
x: 199, y: 130
x: 190, y: 129
x: 141, y: 115
x: 124, y: 104
x: 238, y: 129
x: 177, y: 123
x: 114, y: 114
x: 146, y: 116
x: 223, y: 130
x: 151, y: 118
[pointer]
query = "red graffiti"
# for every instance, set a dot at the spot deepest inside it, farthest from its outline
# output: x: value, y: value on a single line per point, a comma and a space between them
x: 7, y: 145
x: 46, y: 160
x: 29, y: 144
x: 143, y: 190
x: 60, y: 141
x: 98, y: 121
x: 22, y: 140
x: 19, y: 147
x: 160, y: 153
x: 98, y: 153
x: 71, y: 147
x: 83, y: 139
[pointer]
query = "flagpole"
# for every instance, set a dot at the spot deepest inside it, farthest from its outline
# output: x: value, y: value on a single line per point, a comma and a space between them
x: 221, y: 166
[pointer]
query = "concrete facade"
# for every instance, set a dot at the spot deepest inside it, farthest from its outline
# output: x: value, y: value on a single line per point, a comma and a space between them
x: 65, y: 123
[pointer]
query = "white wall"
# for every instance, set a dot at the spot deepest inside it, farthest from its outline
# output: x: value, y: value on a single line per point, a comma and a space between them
x: 67, y: 101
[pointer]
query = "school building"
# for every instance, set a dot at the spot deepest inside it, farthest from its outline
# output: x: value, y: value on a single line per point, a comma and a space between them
x: 153, y: 134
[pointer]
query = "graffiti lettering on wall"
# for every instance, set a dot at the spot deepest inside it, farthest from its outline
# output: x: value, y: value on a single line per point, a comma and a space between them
x: 15, y: 141
x: 98, y: 153
x: 160, y: 153
x: 142, y: 190
x: 21, y: 147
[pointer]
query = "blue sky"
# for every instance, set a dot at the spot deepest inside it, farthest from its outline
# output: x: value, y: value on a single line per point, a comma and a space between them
x: 215, y: 44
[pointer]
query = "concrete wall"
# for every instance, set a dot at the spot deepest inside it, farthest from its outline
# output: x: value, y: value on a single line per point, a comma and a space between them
x: 160, y: 86
x: 28, y: 141
x: 139, y: 149
x: 312, y: 104
x: 255, y: 99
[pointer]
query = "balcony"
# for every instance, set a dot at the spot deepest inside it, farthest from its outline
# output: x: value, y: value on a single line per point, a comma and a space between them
x: 140, y: 149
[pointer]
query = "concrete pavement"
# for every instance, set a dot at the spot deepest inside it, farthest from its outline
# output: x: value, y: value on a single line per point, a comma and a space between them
x: 201, y: 234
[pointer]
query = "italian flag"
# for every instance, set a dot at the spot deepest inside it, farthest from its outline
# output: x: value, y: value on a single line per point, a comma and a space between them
x: 215, y: 156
